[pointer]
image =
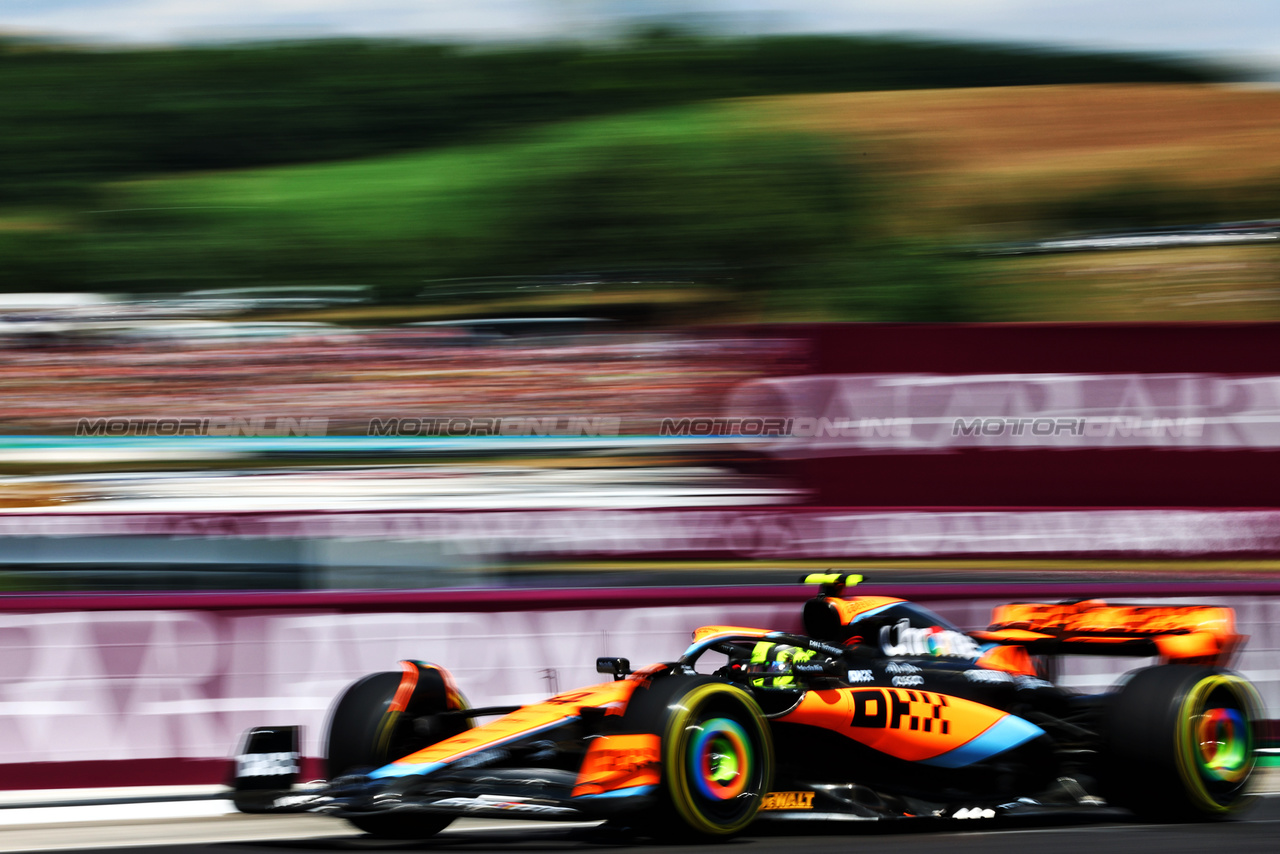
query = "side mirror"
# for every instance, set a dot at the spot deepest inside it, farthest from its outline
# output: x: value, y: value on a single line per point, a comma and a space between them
x: 619, y: 667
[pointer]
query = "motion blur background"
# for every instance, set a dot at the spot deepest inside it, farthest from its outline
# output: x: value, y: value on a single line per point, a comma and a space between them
x: 575, y: 294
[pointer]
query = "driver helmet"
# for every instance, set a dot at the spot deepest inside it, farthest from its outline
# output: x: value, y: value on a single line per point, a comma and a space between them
x: 771, y: 663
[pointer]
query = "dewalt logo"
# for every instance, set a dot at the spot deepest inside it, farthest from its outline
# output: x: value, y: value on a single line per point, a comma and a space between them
x: 787, y: 801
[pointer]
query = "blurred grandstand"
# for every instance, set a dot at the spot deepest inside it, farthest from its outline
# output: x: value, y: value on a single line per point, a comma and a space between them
x: 73, y: 370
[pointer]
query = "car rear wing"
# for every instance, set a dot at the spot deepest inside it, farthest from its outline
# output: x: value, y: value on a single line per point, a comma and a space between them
x: 1195, y: 634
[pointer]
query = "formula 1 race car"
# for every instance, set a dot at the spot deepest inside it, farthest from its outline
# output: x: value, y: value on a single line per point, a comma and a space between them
x: 880, y: 710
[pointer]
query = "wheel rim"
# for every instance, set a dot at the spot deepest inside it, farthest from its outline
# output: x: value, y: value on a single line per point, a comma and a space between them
x: 1216, y: 735
x: 722, y: 756
x: 1224, y: 742
x: 718, y: 759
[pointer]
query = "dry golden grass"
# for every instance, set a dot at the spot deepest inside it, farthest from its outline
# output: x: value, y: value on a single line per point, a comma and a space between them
x: 981, y: 164
x: 1185, y: 284
x: 996, y: 140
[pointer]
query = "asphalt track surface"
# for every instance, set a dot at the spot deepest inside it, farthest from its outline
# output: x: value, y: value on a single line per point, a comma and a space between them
x: 1099, y: 831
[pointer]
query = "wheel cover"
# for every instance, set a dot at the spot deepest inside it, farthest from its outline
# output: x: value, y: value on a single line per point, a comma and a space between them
x: 721, y: 753
x: 718, y: 759
x: 1223, y: 736
x: 1215, y: 741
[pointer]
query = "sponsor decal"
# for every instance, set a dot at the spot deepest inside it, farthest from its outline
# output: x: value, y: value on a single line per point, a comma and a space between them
x: 746, y: 426
x: 570, y: 698
x: 787, y: 801
x: 810, y: 667
x: 483, y: 758
x: 514, y: 805
x: 452, y: 425
x: 218, y: 426
x: 857, y: 676
x: 866, y: 413
x: 907, y: 681
x: 1095, y: 427
x: 837, y: 651
x: 625, y: 760
x: 289, y: 801
x: 879, y: 708
x: 987, y: 676
x: 902, y: 639
x: 619, y: 761
x: 899, y: 667
x: 266, y: 764
x: 1030, y: 682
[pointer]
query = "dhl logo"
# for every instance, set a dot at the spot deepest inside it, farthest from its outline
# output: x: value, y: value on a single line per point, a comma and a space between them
x: 897, y: 709
x: 905, y: 723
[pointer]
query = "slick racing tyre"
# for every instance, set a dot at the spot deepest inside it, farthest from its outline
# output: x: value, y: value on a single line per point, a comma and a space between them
x: 1181, y: 743
x: 366, y: 732
x: 717, y: 757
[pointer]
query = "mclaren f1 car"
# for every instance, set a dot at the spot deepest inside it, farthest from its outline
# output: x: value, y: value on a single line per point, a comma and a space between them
x: 879, y: 710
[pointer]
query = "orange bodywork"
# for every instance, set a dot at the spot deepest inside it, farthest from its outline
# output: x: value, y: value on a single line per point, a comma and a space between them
x: 850, y: 609
x: 1010, y: 659
x: 620, y: 762
x: 909, y: 724
x: 1188, y: 633
x: 410, y: 673
x: 408, y: 682
x: 612, y: 696
x: 704, y: 632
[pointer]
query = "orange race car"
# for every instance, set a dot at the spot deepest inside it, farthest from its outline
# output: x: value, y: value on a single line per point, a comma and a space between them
x: 881, y: 709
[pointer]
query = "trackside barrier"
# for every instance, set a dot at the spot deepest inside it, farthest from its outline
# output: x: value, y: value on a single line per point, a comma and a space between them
x: 155, y: 689
x: 364, y: 539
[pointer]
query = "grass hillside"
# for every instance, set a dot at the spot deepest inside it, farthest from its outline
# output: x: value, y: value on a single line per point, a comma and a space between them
x: 713, y: 196
x: 976, y: 165
x: 833, y: 206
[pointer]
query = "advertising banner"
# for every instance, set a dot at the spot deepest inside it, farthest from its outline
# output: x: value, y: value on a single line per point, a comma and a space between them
x: 138, y: 696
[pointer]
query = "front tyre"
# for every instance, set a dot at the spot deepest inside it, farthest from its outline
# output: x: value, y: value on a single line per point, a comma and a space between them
x: 366, y: 731
x: 717, y: 758
x: 1181, y: 743
x: 360, y: 726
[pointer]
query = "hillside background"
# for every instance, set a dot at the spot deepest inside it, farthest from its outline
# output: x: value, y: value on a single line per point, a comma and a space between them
x: 665, y: 178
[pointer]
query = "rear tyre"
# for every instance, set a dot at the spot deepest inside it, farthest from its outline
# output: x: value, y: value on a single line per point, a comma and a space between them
x: 1181, y: 743
x: 717, y: 758
x: 365, y: 733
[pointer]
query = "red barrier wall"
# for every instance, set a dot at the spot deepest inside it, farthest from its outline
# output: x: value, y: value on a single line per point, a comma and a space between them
x: 959, y: 348
x: 1234, y: 365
